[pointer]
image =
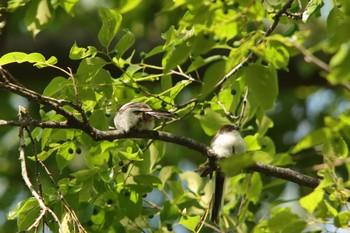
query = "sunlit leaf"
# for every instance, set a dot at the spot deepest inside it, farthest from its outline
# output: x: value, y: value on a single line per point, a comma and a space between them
x: 37, y: 16
x: 111, y: 21
x: 20, y: 57
x: 124, y: 43
x: 312, y: 8
x: 211, y: 121
x: 342, y: 220
x: 312, y: 200
x: 190, y: 222
x: 77, y: 52
x: 314, y: 138
x: 262, y: 84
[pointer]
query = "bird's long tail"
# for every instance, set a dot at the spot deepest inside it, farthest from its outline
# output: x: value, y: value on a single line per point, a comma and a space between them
x: 217, y: 196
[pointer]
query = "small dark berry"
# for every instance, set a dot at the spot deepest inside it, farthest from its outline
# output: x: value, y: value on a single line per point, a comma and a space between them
x: 109, y: 201
x: 78, y: 150
x: 127, y: 193
x: 124, y: 169
x: 142, y: 55
x: 169, y: 227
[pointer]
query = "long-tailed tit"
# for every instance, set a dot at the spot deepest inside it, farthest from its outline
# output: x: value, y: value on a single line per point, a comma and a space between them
x: 138, y: 116
x: 226, y: 142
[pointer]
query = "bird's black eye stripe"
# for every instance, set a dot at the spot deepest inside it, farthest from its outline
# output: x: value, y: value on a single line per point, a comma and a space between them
x: 136, y: 111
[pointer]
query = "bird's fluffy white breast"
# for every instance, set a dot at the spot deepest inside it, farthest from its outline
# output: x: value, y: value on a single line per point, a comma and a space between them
x: 223, y: 145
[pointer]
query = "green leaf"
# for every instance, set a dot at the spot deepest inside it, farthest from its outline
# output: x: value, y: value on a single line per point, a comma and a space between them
x: 255, y: 188
x: 130, y: 202
x: 342, y: 220
x: 282, y: 219
x: 176, y: 188
x: 340, y: 147
x: 179, y: 86
x: 111, y: 21
x: 127, y: 5
x: 57, y: 87
x: 88, y: 68
x: 166, y: 173
x: 325, y: 211
x: 175, y: 56
x: 77, y: 53
x: 264, y: 124
x: 102, y: 83
x: 12, y: 5
x: 252, y: 142
x: 194, y: 181
x: 262, y: 84
x: 339, y: 65
x: 314, y: 138
x: 199, y: 62
x: 68, y: 5
x: 37, y: 16
x: 169, y: 213
x: 189, y: 222
x: 124, y: 43
x: 337, y: 25
x: 20, y: 57
x: 276, y: 55
x: 312, y: 200
x: 26, y: 213
x: 211, y: 121
x: 148, y: 180
x: 65, y: 154
x: 212, y: 75
x: 312, y: 7
x: 97, y: 159
x: 132, y: 69
x: 235, y: 164
x: 129, y: 154
x: 156, y: 50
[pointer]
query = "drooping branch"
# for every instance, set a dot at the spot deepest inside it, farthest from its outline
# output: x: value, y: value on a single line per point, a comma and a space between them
x: 43, y: 208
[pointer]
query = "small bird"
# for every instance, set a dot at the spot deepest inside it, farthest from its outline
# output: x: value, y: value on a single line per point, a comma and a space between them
x: 226, y: 142
x: 138, y: 117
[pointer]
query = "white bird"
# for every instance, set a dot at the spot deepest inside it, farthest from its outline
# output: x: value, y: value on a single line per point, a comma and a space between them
x: 138, y: 116
x: 226, y: 142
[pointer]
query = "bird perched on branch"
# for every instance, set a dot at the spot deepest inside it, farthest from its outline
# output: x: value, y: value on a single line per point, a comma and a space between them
x: 138, y: 116
x: 226, y: 142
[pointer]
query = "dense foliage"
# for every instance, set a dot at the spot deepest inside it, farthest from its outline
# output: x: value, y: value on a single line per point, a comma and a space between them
x: 198, y: 59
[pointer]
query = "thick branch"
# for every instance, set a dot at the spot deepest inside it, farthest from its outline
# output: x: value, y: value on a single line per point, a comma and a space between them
x: 286, y: 174
x: 99, y: 135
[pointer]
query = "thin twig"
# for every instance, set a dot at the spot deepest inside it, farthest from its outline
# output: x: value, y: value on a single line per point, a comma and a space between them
x: 310, y: 58
x: 26, y: 179
x: 244, y: 105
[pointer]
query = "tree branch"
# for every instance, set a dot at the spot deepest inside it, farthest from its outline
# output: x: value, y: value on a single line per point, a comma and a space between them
x: 285, y: 174
x: 43, y: 207
x: 251, y: 58
x: 99, y: 135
